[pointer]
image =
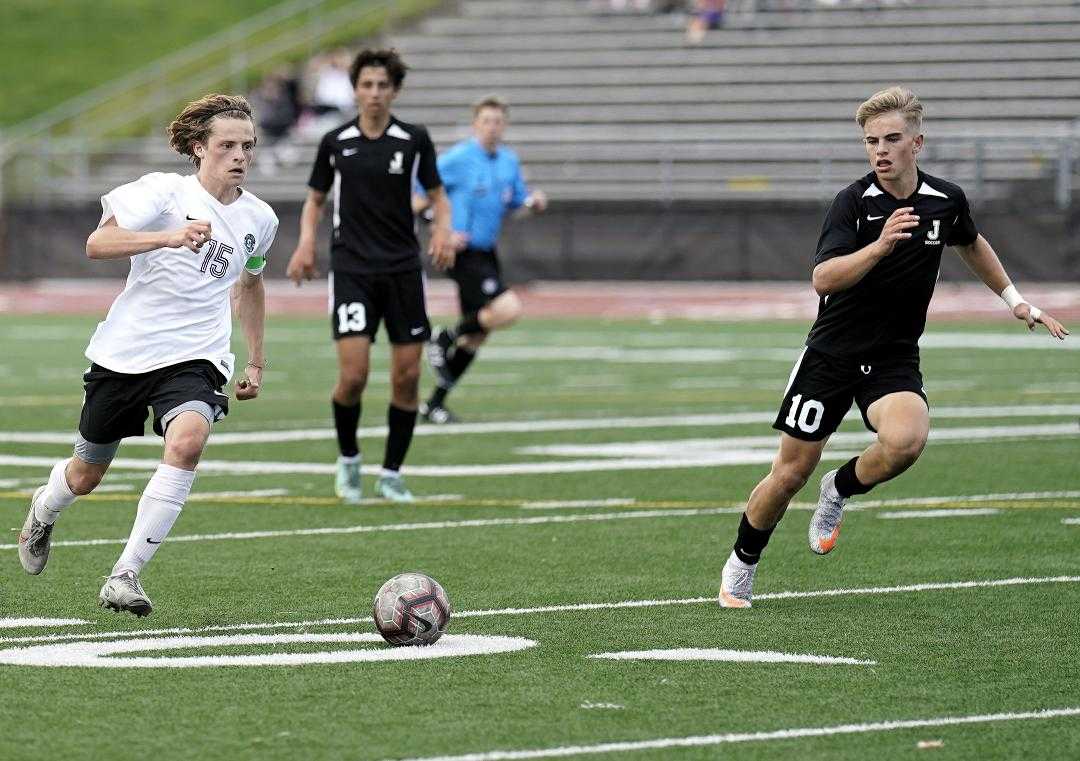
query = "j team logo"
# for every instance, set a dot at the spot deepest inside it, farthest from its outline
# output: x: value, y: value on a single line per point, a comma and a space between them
x: 397, y: 164
x: 933, y: 235
x: 249, y: 243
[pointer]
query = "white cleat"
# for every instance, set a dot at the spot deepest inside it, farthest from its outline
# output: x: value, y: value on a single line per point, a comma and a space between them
x: 736, y: 583
x: 347, y: 482
x: 825, y: 522
x: 35, y: 540
x: 123, y: 592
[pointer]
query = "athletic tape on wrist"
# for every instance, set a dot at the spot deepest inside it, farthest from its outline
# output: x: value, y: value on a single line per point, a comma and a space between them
x: 1011, y: 296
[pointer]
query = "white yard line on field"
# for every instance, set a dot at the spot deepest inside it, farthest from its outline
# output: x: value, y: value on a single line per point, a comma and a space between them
x: 577, y: 607
x: 697, y: 741
x: 539, y: 426
x: 729, y: 656
x: 527, y: 521
x: 20, y: 623
x: 938, y: 513
x: 1071, y: 521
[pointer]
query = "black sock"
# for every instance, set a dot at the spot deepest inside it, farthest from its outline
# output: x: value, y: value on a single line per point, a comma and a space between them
x: 847, y: 483
x: 469, y: 324
x: 438, y: 396
x: 751, y: 541
x: 459, y: 362
x: 401, y: 423
x: 345, y: 421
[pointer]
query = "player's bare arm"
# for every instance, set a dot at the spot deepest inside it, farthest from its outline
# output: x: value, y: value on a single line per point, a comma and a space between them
x: 441, y: 248
x: 110, y: 241
x: 982, y: 260
x: 251, y: 311
x: 302, y: 263
x: 842, y: 272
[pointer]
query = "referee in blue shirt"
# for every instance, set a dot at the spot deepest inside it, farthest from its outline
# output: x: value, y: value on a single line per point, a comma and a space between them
x: 483, y: 181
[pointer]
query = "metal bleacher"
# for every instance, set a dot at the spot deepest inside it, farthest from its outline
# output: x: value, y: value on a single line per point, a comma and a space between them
x: 620, y: 107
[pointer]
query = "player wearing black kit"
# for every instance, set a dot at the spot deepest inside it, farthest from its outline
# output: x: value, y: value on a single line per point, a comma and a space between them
x: 876, y: 264
x: 370, y: 164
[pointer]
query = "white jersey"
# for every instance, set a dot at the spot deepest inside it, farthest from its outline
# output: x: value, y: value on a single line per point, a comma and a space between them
x: 175, y: 306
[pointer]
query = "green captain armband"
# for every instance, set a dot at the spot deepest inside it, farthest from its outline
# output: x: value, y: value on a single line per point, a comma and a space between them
x: 255, y: 263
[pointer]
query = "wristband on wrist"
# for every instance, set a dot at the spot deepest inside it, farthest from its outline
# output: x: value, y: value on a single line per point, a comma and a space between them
x: 257, y: 367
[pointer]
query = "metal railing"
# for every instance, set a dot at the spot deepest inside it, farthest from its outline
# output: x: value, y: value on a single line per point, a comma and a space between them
x: 78, y: 169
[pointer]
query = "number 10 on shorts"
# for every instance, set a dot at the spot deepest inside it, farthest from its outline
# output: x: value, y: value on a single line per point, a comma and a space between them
x: 808, y: 418
x: 351, y: 318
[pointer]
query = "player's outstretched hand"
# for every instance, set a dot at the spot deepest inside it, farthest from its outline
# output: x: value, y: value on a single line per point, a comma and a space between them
x: 301, y: 265
x: 897, y: 226
x: 248, y: 384
x: 1023, y: 311
x: 441, y: 248
x: 191, y: 236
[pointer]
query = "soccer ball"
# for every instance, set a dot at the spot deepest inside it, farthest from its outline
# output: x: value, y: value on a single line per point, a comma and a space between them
x: 411, y: 609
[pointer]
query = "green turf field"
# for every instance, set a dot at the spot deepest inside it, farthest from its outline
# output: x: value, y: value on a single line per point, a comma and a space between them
x: 601, y: 463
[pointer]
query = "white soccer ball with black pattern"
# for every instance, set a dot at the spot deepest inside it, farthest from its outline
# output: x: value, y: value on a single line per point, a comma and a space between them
x: 411, y: 609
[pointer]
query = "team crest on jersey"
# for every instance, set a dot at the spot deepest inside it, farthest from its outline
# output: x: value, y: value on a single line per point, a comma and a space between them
x: 249, y: 243
x: 397, y: 164
x: 933, y: 235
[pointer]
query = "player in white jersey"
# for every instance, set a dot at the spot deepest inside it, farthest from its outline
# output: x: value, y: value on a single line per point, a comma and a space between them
x: 165, y: 342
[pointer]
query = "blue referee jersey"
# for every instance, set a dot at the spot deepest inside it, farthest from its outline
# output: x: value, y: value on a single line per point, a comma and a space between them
x: 482, y: 188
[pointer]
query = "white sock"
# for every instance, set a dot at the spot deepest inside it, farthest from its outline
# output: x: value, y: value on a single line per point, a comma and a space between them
x: 56, y: 496
x: 385, y: 473
x: 160, y: 506
x: 736, y: 563
x: 348, y: 460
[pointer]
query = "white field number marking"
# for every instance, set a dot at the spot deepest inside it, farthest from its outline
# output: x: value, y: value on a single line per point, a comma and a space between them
x: 97, y: 654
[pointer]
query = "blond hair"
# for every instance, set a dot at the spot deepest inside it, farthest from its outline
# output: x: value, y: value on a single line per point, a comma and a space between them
x: 892, y: 99
x: 194, y: 123
x: 491, y: 101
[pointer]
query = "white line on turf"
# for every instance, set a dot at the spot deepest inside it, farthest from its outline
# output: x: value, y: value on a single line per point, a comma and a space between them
x: 376, y: 528
x: 743, y: 737
x: 728, y: 656
x: 552, y: 504
x: 21, y: 623
x: 964, y: 512
x: 533, y: 521
x: 1071, y: 521
x: 580, y: 607
x: 96, y: 654
x: 535, y: 426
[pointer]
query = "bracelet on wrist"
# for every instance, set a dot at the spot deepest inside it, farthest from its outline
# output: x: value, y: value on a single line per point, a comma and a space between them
x: 257, y: 367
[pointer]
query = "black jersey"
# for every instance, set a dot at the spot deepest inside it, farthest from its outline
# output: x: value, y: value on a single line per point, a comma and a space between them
x: 372, y: 181
x: 884, y: 314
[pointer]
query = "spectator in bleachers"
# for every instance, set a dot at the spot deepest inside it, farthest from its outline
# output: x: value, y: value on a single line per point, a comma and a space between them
x: 708, y: 14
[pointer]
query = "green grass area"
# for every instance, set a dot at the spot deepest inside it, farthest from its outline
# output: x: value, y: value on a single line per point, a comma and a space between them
x: 52, y: 50
x: 944, y: 652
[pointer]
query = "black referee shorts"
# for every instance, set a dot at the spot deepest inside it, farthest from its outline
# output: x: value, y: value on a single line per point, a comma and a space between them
x: 477, y: 274
x: 115, y: 405
x: 822, y: 387
x: 358, y: 303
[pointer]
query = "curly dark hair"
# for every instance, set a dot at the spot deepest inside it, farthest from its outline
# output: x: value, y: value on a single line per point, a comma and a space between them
x: 194, y: 123
x: 386, y: 58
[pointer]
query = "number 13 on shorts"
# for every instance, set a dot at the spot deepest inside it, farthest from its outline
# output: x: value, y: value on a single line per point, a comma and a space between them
x: 351, y: 317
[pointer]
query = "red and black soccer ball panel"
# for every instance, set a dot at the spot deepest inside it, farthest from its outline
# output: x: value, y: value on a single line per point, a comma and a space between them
x: 411, y: 609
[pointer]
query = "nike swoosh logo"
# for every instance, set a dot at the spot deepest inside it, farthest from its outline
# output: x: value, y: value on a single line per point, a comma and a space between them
x: 349, y: 151
x: 151, y: 541
x: 191, y: 218
x: 874, y: 219
x: 416, y: 331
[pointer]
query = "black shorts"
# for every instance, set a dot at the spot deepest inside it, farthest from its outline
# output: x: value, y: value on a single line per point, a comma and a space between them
x: 822, y: 387
x: 115, y: 405
x: 478, y: 277
x: 358, y: 303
